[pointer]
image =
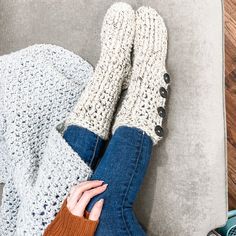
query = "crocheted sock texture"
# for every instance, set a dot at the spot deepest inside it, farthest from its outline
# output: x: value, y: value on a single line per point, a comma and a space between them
x: 97, y: 104
x: 143, y: 105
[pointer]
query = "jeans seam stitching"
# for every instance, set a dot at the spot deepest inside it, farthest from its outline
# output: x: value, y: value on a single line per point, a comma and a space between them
x: 94, y: 151
x: 130, y: 182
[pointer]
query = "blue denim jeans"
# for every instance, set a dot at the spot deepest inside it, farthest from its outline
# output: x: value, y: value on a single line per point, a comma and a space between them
x: 122, y: 167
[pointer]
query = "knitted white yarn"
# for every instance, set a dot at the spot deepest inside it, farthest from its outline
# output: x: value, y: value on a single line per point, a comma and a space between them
x: 40, y: 85
x: 140, y: 105
x: 97, y: 104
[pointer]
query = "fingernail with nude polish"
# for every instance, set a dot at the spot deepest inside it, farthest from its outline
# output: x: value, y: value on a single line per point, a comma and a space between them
x: 101, y: 201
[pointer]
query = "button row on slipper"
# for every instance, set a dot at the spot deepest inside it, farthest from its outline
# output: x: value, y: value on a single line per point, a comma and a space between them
x: 161, y: 111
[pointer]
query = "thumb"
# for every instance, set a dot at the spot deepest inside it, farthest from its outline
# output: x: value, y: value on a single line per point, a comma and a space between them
x: 96, y: 210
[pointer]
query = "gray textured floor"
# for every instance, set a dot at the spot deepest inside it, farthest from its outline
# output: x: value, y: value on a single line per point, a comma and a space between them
x: 1, y: 186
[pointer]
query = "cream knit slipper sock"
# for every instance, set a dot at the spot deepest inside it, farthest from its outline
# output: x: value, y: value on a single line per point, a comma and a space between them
x: 143, y: 105
x: 97, y: 103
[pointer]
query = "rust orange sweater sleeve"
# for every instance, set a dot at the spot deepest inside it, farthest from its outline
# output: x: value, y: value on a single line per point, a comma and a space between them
x: 67, y: 224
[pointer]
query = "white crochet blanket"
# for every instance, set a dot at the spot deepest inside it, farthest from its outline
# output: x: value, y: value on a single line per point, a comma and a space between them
x: 39, y: 87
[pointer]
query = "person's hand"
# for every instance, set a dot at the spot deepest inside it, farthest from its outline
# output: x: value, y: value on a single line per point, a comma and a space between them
x: 81, y: 194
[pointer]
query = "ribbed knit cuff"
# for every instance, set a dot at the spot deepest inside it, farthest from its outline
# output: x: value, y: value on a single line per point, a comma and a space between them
x: 66, y: 224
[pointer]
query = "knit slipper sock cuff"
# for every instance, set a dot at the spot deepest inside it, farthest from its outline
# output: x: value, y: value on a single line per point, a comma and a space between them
x: 143, y: 105
x: 97, y: 104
